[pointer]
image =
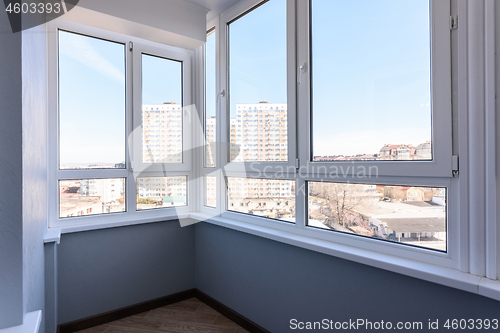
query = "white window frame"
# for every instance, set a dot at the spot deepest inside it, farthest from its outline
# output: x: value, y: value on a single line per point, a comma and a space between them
x: 131, y: 215
x: 212, y: 28
x: 435, y: 173
x: 233, y: 13
x: 213, y: 171
x: 441, y: 165
x: 188, y: 111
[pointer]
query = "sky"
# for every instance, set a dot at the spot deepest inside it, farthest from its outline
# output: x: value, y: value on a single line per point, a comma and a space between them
x: 370, y: 70
x: 370, y: 78
x: 91, y: 100
x: 161, y: 80
x: 92, y: 97
x: 257, y: 56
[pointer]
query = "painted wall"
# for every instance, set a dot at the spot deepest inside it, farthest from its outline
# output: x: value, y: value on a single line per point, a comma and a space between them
x: 11, y: 228
x: 271, y: 283
x: 175, y: 16
x: 497, y: 48
x: 107, y: 269
x: 170, y: 22
x: 50, y: 315
x: 34, y: 86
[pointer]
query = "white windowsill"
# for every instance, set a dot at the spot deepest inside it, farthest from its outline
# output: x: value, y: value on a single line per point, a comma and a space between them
x: 31, y: 324
x: 54, y: 234
x: 420, y: 270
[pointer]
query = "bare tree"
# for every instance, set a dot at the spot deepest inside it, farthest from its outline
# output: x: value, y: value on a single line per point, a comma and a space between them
x: 342, y: 200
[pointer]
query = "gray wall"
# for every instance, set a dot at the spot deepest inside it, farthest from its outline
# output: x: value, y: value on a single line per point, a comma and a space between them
x: 11, y: 229
x: 50, y: 315
x: 497, y: 50
x: 34, y: 88
x: 270, y: 283
x: 103, y: 270
x: 23, y: 173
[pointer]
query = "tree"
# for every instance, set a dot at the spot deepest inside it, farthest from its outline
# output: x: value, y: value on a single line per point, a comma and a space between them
x: 342, y: 200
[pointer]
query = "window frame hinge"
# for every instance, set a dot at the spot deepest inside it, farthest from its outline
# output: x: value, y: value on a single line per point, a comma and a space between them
x: 453, y: 22
x: 130, y: 46
x: 454, y: 166
x: 297, y: 163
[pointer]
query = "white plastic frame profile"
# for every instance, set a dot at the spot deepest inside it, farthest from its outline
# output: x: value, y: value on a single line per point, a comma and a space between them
x: 215, y: 171
x: 237, y: 12
x: 441, y: 165
x: 131, y: 215
x: 397, y: 173
x: 449, y: 259
x: 188, y: 108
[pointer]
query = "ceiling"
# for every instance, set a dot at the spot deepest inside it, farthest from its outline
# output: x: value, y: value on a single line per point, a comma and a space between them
x: 215, y: 6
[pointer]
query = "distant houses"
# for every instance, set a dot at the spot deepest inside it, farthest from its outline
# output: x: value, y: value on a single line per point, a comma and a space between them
x: 411, y: 193
x: 388, y: 152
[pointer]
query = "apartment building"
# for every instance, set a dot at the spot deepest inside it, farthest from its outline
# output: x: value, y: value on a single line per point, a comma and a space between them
x: 210, y: 141
x: 261, y: 131
x: 162, y: 133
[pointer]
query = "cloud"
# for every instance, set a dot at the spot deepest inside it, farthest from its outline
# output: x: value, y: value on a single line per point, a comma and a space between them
x: 79, y: 49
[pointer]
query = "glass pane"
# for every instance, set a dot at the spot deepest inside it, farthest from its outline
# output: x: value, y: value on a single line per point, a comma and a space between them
x: 405, y: 214
x: 161, y: 192
x: 210, y: 101
x: 161, y: 110
x: 258, y: 84
x: 211, y: 191
x: 91, y: 102
x: 371, y: 80
x: 262, y: 197
x: 91, y: 197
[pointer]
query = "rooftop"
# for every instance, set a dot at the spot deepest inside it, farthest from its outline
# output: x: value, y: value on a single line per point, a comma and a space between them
x: 416, y: 225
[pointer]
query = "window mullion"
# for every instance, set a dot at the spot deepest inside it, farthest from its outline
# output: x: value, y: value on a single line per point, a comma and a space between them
x: 130, y: 187
x: 301, y: 78
x: 222, y: 113
x: 303, y: 83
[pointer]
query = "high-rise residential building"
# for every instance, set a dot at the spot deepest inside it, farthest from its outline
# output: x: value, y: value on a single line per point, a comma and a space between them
x: 211, y: 138
x: 261, y: 131
x: 162, y: 133
x: 235, y: 139
x: 259, y: 134
x: 211, y: 191
x: 162, y: 143
x: 159, y: 187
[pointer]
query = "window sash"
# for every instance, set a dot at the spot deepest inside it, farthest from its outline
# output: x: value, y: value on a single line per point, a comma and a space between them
x: 188, y: 110
x: 441, y: 165
x: 212, y: 28
x: 216, y: 171
x: 435, y: 173
x: 131, y: 215
x: 229, y: 16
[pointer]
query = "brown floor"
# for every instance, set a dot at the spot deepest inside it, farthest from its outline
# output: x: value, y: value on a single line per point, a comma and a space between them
x: 191, y: 315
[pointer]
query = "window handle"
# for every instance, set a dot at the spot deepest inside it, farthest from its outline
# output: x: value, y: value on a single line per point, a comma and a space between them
x: 222, y: 94
x: 187, y: 114
x: 302, y: 69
